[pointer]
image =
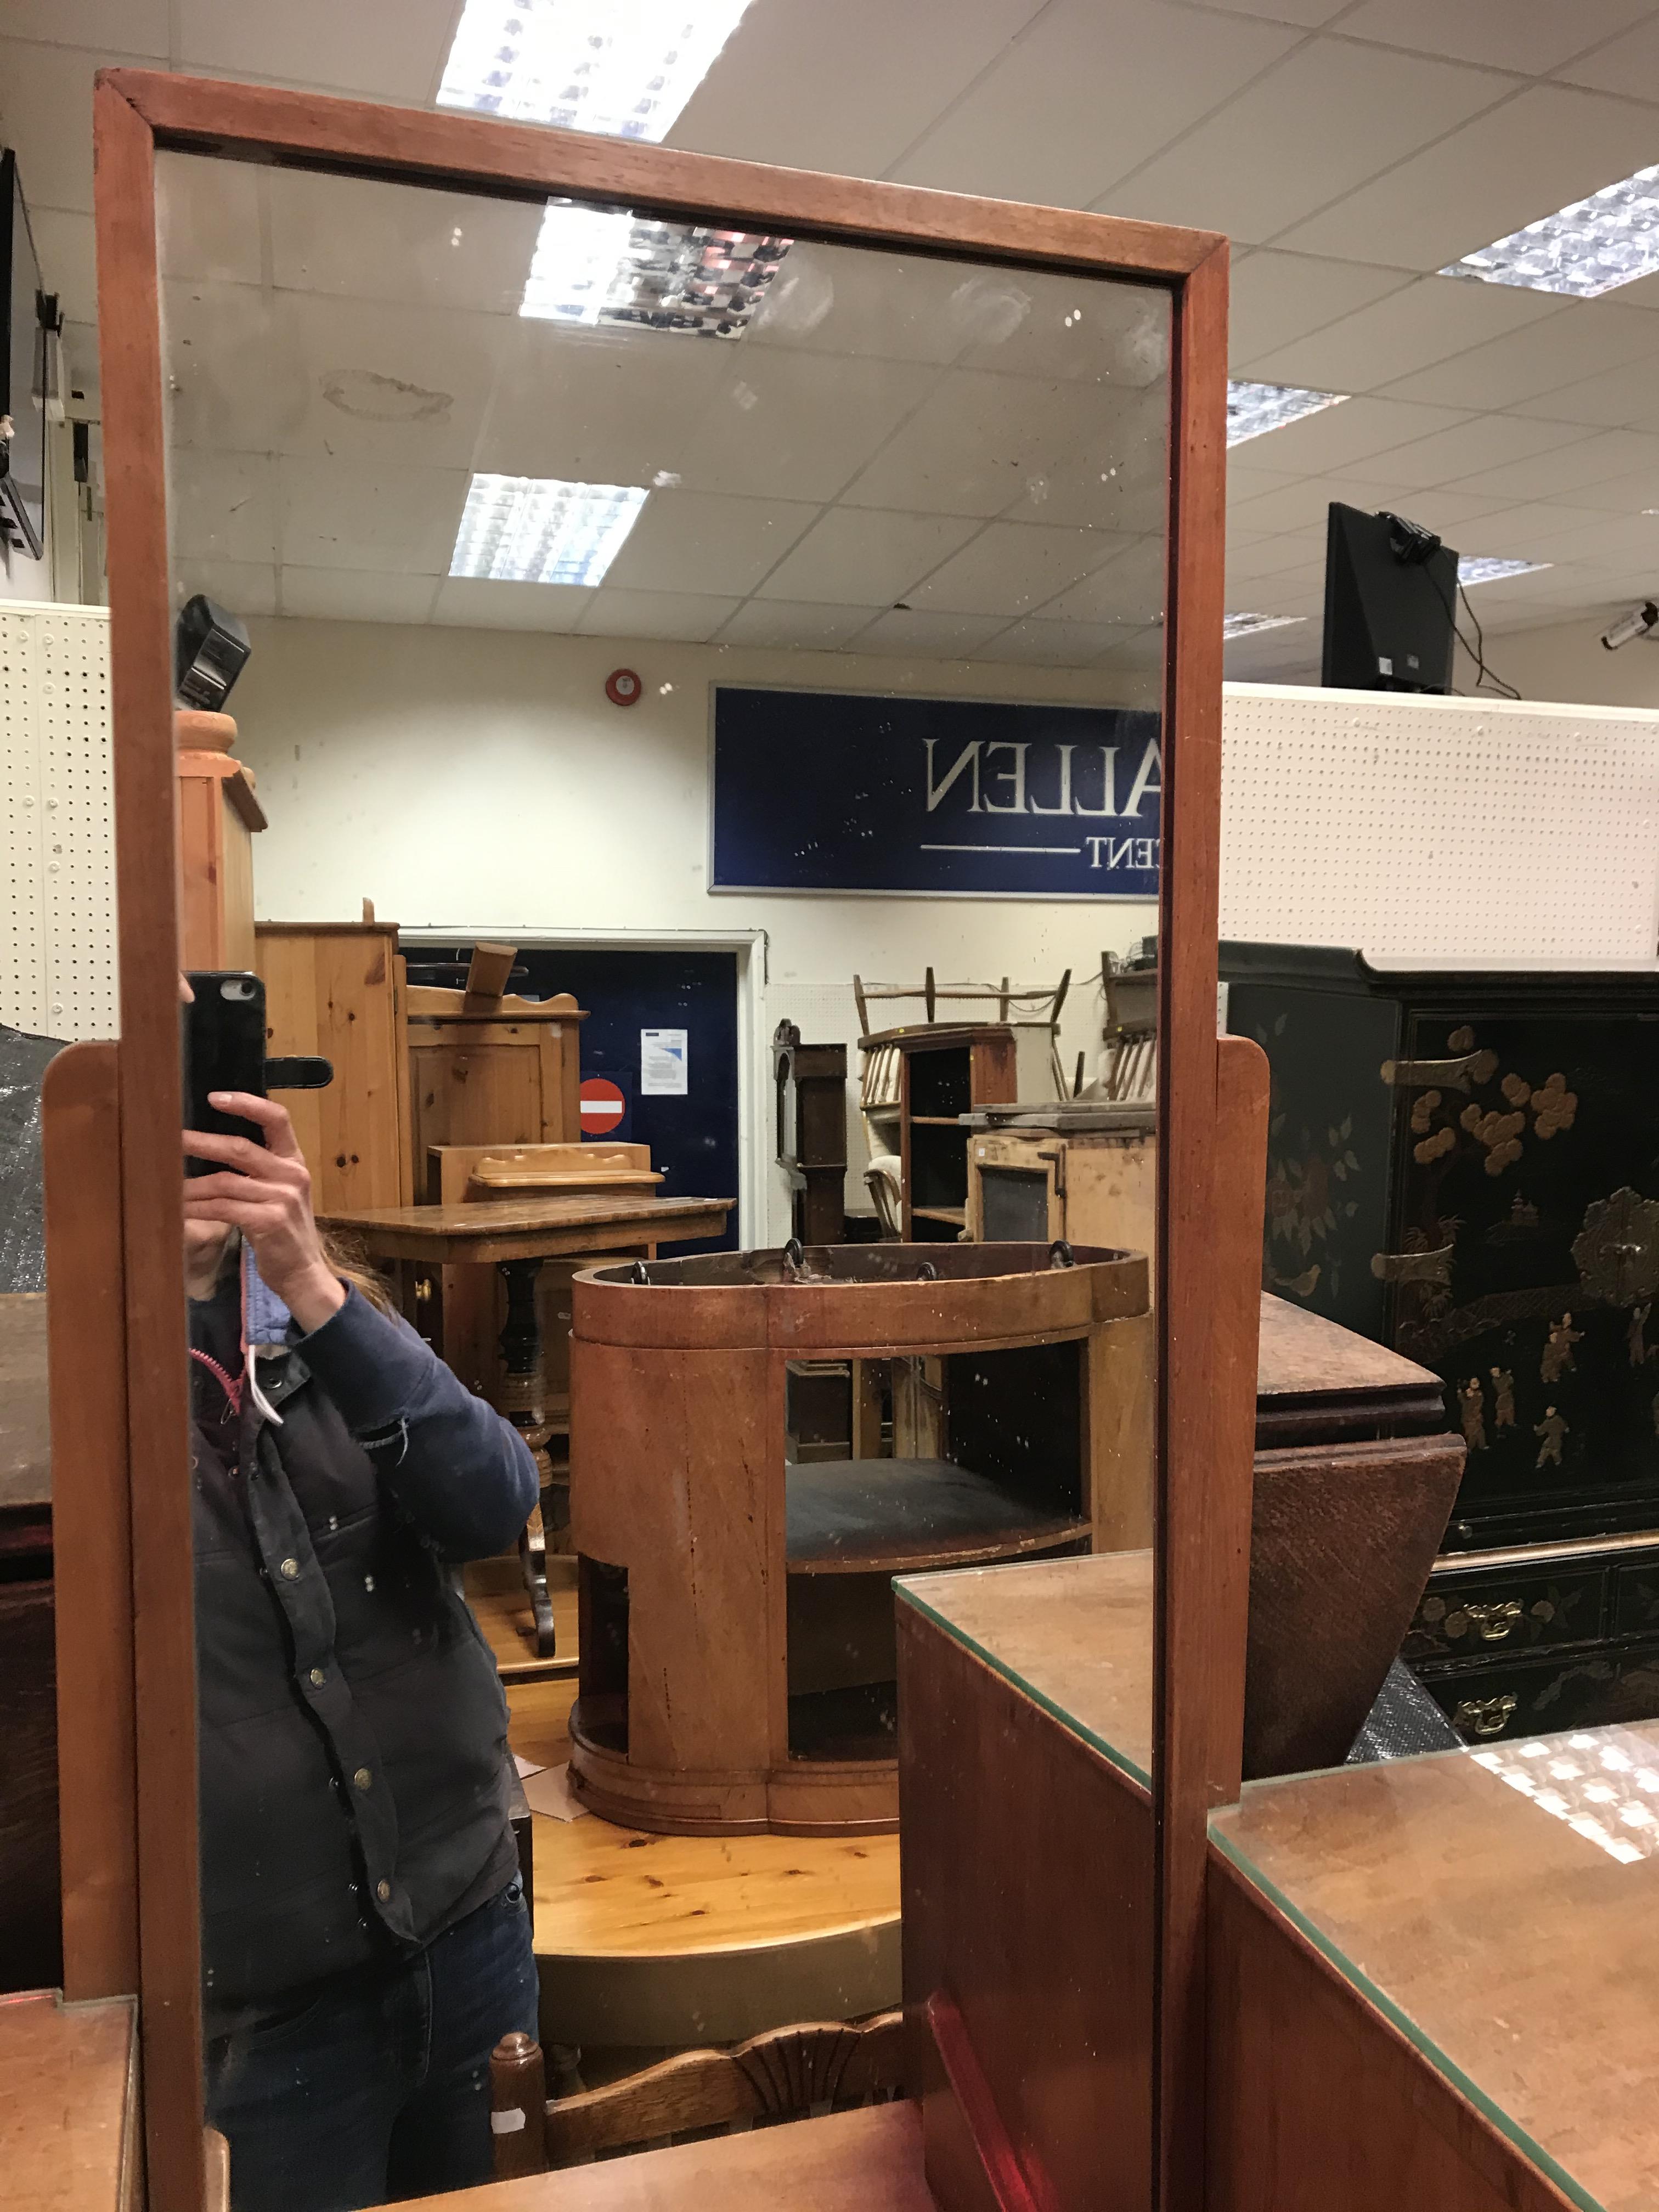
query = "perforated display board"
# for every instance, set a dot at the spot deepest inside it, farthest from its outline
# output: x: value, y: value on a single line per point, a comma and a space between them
x: 58, y: 976
x: 1445, y: 830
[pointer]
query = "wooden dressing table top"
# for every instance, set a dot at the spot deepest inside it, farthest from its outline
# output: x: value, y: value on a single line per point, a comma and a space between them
x: 1076, y: 1635
x: 862, y: 2161
x: 530, y: 1228
x: 25, y: 1423
x: 1520, y: 1956
x: 68, y: 2104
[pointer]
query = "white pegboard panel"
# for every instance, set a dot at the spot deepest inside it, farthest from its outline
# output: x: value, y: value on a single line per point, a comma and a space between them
x: 57, y: 974
x: 1454, y: 830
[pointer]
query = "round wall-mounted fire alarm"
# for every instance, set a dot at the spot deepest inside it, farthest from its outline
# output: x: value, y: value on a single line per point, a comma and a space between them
x: 623, y: 688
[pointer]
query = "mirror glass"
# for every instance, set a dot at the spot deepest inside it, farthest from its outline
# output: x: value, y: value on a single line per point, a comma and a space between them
x: 698, y: 772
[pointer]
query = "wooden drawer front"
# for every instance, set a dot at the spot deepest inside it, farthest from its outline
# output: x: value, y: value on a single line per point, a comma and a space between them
x: 1635, y: 1609
x: 1464, y: 1616
x: 1549, y: 1693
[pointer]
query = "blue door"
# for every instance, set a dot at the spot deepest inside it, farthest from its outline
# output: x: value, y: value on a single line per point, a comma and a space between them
x: 693, y: 1135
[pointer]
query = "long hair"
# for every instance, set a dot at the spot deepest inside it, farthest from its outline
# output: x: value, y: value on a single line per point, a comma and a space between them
x: 346, y: 1257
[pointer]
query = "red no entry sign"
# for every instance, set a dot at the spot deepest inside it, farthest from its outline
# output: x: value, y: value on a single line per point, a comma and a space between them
x: 603, y: 1106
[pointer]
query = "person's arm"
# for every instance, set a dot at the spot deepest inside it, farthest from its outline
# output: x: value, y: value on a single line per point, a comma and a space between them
x: 459, y: 1473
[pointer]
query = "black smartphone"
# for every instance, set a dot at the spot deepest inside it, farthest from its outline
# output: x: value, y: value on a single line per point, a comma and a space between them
x: 224, y: 1049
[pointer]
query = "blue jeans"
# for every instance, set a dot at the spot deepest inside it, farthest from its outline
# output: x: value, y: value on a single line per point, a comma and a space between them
x: 379, y: 2089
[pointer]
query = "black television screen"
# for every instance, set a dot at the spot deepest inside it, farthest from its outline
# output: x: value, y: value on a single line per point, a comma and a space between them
x: 22, y: 366
x: 1390, y: 589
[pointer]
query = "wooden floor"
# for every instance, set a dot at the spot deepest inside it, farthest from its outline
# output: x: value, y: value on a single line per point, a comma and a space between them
x: 495, y: 1591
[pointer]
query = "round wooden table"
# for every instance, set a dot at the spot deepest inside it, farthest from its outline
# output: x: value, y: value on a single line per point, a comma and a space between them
x: 671, y: 1940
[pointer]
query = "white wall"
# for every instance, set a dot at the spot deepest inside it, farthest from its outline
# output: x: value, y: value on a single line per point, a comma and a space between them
x: 480, y: 779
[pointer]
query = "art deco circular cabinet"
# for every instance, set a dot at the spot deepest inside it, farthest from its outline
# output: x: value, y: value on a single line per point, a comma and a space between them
x: 761, y: 1441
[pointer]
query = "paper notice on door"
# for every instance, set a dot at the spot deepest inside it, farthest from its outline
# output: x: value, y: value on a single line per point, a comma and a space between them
x: 663, y: 1064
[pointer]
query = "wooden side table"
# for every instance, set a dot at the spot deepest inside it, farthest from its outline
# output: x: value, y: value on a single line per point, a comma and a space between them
x: 517, y: 1235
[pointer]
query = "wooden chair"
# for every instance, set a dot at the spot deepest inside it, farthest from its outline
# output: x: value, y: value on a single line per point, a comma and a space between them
x: 783, y: 2074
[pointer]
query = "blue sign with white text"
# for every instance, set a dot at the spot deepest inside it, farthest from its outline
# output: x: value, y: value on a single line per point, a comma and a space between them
x: 818, y: 791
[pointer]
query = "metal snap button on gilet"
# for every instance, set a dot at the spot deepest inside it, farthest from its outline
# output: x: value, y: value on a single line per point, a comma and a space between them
x: 363, y: 1778
x: 383, y: 1891
x: 318, y: 1678
x: 291, y: 1569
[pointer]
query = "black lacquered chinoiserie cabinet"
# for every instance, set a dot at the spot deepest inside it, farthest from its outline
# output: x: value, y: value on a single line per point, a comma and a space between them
x: 1465, y: 1166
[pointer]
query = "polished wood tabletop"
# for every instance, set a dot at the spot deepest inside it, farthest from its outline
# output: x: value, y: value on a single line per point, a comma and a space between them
x: 1501, y: 1906
x: 68, y: 2104
x: 539, y: 1228
x: 1074, y: 1634
x: 860, y: 2161
x: 25, y: 1425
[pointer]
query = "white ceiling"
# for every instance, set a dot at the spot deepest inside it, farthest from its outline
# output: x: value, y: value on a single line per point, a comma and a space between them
x: 1350, y: 148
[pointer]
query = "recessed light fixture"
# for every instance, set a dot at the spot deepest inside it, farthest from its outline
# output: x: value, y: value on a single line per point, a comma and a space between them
x: 597, y: 265
x: 1253, y: 409
x: 1248, y: 625
x: 536, y: 530
x: 627, y: 69
x: 1591, y: 247
x: 1483, y: 568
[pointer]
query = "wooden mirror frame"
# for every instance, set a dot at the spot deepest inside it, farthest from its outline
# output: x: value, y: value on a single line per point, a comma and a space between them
x: 1207, y: 1257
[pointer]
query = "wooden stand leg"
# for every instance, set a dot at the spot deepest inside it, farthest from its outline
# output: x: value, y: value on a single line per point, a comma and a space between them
x: 523, y: 1401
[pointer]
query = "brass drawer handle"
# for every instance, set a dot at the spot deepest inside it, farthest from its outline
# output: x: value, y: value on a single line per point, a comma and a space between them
x: 1492, y: 1623
x: 1485, y: 1716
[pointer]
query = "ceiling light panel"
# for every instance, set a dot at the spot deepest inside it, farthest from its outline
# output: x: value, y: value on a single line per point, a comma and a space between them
x: 1584, y: 249
x: 595, y: 265
x: 1254, y: 409
x: 1243, y: 625
x: 627, y: 69
x: 1484, y: 569
x: 536, y: 530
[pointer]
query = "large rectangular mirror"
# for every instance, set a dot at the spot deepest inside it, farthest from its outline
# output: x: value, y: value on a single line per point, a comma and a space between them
x: 725, y: 773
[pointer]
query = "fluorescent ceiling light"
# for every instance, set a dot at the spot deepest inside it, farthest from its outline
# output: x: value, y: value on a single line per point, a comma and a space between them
x: 1248, y: 625
x: 627, y: 68
x: 1483, y: 568
x: 535, y: 529
x: 1584, y: 249
x: 1253, y: 409
x: 597, y: 265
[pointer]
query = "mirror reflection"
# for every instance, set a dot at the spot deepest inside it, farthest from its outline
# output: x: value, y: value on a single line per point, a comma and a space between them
x: 725, y: 1186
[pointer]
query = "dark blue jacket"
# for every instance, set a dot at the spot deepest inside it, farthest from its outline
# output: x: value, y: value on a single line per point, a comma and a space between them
x: 353, y: 1733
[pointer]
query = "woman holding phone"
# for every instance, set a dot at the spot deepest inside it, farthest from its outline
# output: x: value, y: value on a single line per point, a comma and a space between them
x: 366, y: 1939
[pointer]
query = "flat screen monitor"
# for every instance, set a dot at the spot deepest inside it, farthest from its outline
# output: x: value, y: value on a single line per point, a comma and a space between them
x: 23, y: 374
x: 1390, y: 589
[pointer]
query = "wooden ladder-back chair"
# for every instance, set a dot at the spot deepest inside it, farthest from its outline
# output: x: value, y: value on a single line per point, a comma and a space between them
x: 786, y: 2074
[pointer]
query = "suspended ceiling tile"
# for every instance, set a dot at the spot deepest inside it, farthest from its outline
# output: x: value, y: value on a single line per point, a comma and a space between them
x: 857, y: 556
x: 694, y: 541
x: 1433, y: 319
x: 1587, y: 336
x: 365, y: 380
x: 1114, y: 337
x: 369, y: 240
x: 854, y: 299
x: 1307, y: 14
x: 233, y: 381
x: 353, y: 514
x: 614, y: 405
x: 357, y: 595
x: 1532, y: 36
x: 796, y: 425
x: 1529, y: 532
x: 1484, y: 441
x: 47, y: 94
x: 390, y: 49
x: 1330, y: 116
x: 794, y: 622
x: 1128, y: 588
x: 209, y: 223
x: 1277, y: 298
x: 1615, y: 460
x: 1617, y: 398
x: 694, y: 616
x: 480, y: 603
x: 222, y: 505
x: 134, y: 26
x: 1628, y: 64
x: 1338, y: 436
x: 979, y: 439
x: 929, y: 636
x: 1012, y: 567
x: 1086, y: 93
x: 1549, y: 146
x: 843, y: 89
x: 246, y: 587
x: 1041, y: 644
